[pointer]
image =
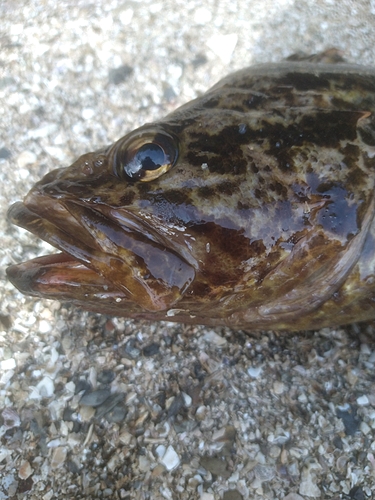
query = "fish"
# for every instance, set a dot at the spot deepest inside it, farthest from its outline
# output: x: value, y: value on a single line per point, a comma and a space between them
x: 252, y: 206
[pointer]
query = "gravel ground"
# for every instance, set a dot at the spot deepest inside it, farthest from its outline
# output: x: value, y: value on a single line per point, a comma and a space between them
x: 97, y: 407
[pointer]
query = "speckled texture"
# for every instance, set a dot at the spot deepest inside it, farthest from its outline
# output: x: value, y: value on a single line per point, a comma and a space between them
x: 191, y: 412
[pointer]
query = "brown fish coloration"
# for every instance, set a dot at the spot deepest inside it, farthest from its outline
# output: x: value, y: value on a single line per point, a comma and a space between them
x: 251, y: 206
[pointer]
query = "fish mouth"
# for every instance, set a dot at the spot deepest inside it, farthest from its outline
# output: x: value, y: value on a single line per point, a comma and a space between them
x: 104, y: 256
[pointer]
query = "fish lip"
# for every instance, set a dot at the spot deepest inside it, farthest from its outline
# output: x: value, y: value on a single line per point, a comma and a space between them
x: 122, y: 267
x: 28, y: 275
x: 40, y: 222
x: 38, y: 207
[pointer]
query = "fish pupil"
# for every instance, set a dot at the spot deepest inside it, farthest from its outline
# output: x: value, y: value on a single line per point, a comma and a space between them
x: 150, y: 157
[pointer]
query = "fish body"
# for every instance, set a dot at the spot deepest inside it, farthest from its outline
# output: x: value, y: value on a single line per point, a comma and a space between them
x: 251, y: 206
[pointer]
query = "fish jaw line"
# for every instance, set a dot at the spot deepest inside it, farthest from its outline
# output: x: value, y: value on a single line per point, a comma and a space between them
x: 123, y: 258
x: 56, y: 275
x: 60, y: 277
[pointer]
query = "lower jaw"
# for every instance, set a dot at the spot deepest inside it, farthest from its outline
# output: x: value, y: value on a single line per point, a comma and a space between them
x: 58, y: 276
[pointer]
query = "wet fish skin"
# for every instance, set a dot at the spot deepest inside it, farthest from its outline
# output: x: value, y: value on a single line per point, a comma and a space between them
x: 264, y: 220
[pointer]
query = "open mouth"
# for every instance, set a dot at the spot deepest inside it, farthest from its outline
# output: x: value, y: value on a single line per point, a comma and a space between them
x: 100, y: 258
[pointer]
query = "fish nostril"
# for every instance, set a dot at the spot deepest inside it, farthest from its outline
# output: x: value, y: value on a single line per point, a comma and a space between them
x: 87, y: 168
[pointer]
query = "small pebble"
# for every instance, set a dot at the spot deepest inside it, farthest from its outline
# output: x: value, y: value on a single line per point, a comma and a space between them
x: 216, y: 466
x: 56, y: 152
x: 45, y: 326
x: 25, y: 470
x: 95, y: 398
x: 88, y: 113
x: 364, y: 428
x: 363, y: 400
x: 70, y: 387
x: 106, y: 377
x: 58, y: 457
x: 202, y: 16
x: 44, y: 131
x: 187, y: 399
x: 232, y: 495
x: 254, y: 372
x: 160, y: 450
x: 5, y: 153
x: 278, y: 387
x: 26, y: 158
x: 126, y: 16
x: 143, y: 464
x: 356, y: 493
x: 116, y: 415
x: 207, y: 496
x: 158, y: 470
x: 350, y: 420
x: 82, y: 385
x: 151, y: 349
x: 264, y: 472
x: 170, y: 459
x: 120, y: 74
x: 46, y: 387
x: 223, y: 46
x: 8, y: 364
x: 275, y: 451
x: 293, y: 496
x: 130, y: 350
x: 215, y: 339
x: 87, y: 413
x: 11, y: 418
x: 308, y: 485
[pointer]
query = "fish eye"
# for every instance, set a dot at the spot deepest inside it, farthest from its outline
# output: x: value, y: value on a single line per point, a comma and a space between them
x: 144, y: 155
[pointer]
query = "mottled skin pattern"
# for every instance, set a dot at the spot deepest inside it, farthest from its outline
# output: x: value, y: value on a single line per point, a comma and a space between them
x: 266, y: 220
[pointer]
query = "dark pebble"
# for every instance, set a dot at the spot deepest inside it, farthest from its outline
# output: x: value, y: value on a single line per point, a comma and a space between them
x: 350, y: 420
x: 199, y: 60
x: 67, y: 414
x: 25, y: 485
x: 77, y: 426
x: 116, y: 415
x: 161, y: 398
x: 129, y: 350
x: 106, y: 377
x: 356, y: 493
x: 5, y: 318
x: 4, y: 153
x: 109, y: 404
x: 72, y: 467
x: 169, y: 94
x: 151, y: 350
x: 168, y: 340
x: 120, y: 74
x: 216, y: 466
x: 232, y: 495
x: 338, y: 442
x: 82, y: 385
x: 177, y: 404
x: 95, y: 398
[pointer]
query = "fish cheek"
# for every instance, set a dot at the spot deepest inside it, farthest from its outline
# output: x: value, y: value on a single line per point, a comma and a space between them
x: 154, y: 281
x: 149, y: 274
x: 223, y: 253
